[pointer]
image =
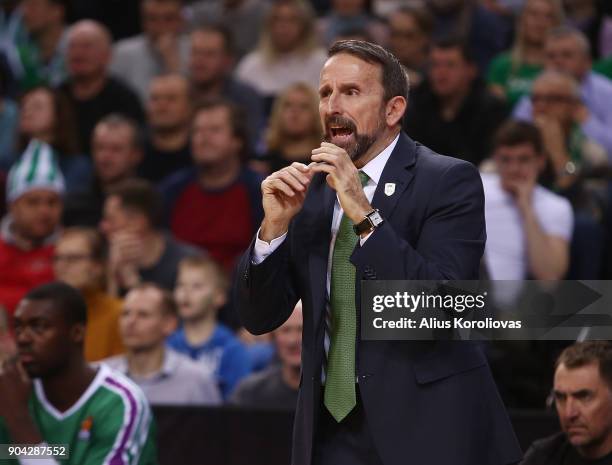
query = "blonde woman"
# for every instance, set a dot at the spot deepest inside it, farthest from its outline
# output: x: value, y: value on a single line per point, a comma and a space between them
x: 287, y: 52
x: 511, y: 74
x: 80, y: 261
x: 294, y: 129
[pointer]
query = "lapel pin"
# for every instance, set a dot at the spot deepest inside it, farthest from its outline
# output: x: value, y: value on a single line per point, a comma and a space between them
x: 389, y: 189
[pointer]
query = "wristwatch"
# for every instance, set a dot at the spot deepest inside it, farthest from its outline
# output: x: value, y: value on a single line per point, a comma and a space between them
x: 371, y: 221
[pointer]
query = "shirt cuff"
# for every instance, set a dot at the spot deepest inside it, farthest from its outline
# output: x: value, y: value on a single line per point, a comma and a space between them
x: 262, y: 249
x: 362, y: 240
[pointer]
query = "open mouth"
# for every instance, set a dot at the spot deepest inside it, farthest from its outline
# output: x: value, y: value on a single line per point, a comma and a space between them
x: 340, y: 135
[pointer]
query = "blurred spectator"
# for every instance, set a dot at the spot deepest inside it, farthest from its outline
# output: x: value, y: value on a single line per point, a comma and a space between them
x: 216, y: 205
x: 277, y: 386
x: 287, y: 52
x: 243, y: 18
x: 349, y: 15
x: 92, y: 90
x: 583, y: 400
x: 453, y: 112
x: 139, y: 249
x: 29, y: 231
x: 116, y: 152
x: 294, y: 130
x: 169, y: 110
x: 511, y: 73
x: 52, y: 395
x: 80, y: 261
x: 210, y: 66
x: 201, y: 290
x: 486, y: 33
x: 528, y: 227
x: 47, y: 115
x: 165, y: 376
x: 9, y: 117
x: 410, y: 29
x: 567, y: 51
x: 159, y: 49
x: 38, y: 56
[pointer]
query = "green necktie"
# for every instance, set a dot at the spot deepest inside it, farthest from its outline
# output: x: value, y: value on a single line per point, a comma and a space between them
x: 339, y: 396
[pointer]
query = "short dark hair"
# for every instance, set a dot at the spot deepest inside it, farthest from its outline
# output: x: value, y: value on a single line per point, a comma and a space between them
x: 66, y: 299
x: 118, y: 119
x: 139, y: 195
x: 584, y: 353
x: 168, y: 304
x: 513, y: 133
x: 237, y: 120
x: 394, y: 77
x: 456, y: 43
x: 220, y: 29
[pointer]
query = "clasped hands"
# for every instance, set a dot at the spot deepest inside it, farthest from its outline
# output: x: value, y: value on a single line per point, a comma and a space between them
x: 284, y: 191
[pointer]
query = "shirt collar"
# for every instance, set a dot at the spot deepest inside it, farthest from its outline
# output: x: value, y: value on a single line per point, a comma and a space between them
x: 376, y: 165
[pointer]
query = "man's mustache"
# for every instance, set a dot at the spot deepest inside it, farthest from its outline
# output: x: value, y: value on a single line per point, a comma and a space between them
x: 337, y: 120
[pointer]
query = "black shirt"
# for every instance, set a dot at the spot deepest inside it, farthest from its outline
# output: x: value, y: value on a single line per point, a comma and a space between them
x: 157, y: 164
x: 556, y: 450
x: 115, y: 97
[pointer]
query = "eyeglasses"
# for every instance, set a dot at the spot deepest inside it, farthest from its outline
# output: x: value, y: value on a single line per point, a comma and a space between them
x: 552, y: 98
x: 70, y: 258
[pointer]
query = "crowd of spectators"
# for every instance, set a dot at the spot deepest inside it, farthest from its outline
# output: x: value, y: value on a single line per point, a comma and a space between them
x: 133, y: 144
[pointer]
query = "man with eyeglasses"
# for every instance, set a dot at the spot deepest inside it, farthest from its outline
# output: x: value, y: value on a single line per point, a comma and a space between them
x: 567, y: 50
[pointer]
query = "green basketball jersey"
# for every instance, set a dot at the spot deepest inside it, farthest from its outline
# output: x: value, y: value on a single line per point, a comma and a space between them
x: 110, y: 424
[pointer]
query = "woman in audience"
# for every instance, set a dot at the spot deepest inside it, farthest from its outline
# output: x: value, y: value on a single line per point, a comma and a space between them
x: 46, y: 115
x: 80, y: 260
x: 511, y: 73
x: 294, y: 129
x: 287, y: 52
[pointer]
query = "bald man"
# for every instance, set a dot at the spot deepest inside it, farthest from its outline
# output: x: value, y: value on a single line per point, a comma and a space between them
x: 169, y: 113
x: 93, y: 91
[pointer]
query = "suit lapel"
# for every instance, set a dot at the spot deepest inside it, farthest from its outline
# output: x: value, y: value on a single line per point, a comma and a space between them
x: 397, y: 172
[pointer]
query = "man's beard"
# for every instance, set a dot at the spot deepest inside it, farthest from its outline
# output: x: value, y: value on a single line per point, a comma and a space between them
x: 361, y: 142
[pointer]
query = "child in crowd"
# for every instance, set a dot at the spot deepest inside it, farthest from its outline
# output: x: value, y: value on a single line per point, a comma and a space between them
x: 200, y: 292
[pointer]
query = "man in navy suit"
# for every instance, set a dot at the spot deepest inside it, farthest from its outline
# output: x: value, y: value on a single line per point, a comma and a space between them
x: 418, y: 215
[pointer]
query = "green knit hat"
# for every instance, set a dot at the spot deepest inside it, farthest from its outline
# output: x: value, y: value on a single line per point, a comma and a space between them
x: 37, y: 168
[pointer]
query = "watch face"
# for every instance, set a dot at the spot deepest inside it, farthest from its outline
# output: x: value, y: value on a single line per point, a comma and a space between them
x: 375, y: 218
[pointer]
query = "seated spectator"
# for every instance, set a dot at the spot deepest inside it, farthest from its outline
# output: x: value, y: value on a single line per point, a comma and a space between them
x: 294, y: 130
x: 583, y: 400
x: 169, y: 111
x: 556, y: 99
x: 528, y: 227
x: 567, y: 51
x: 453, y: 112
x: 29, y: 231
x: 138, y: 249
x: 210, y: 67
x: 511, y: 73
x: 277, y: 386
x: 80, y: 261
x: 47, y: 115
x: 165, y: 376
x: 287, y: 52
x: 347, y: 15
x: 216, y: 205
x: 93, y: 92
x: 51, y: 395
x: 37, y: 57
x: 242, y: 18
x: 485, y: 32
x: 9, y: 117
x: 116, y: 152
x: 159, y: 49
x: 200, y: 292
x: 410, y: 29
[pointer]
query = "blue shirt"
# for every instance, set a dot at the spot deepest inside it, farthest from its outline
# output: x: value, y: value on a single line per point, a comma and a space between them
x: 222, y: 356
x: 596, y: 92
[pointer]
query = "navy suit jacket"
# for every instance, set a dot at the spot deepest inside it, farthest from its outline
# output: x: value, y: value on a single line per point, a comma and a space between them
x: 427, y: 403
